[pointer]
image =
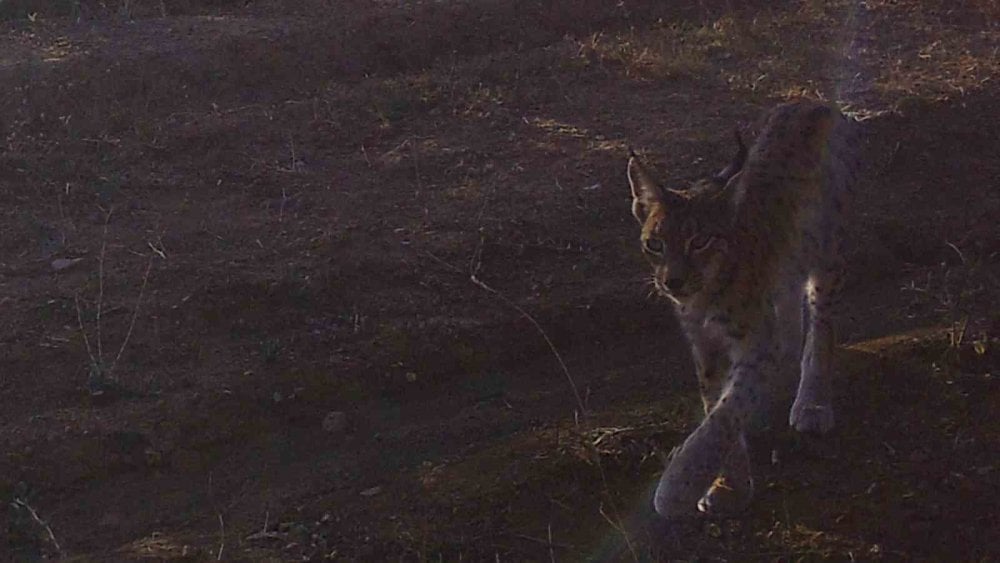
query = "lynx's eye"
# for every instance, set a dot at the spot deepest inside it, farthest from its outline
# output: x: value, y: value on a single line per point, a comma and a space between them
x: 653, y: 246
x: 698, y: 243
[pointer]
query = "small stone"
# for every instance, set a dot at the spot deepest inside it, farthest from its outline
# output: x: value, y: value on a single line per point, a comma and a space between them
x: 63, y: 263
x: 334, y: 422
x: 371, y: 492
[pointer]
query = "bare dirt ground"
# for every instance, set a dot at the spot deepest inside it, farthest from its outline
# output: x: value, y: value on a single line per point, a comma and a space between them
x: 224, y: 221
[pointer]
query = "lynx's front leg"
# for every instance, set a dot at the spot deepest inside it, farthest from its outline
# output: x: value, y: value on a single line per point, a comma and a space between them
x: 732, y: 488
x: 694, y: 467
x: 717, y: 445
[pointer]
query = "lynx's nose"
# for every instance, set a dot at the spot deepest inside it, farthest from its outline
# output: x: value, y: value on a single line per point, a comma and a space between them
x: 674, y: 284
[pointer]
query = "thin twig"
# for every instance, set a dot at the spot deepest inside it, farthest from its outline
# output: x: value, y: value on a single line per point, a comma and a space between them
x: 538, y: 327
x: 83, y: 331
x: 473, y: 277
x: 42, y: 523
x: 416, y: 166
x: 957, y: 337
x: 397, y: 148
x: 100, y: 285
x: 476, y: 259
x: 62, y: 216
x: 474, y: 266
x: 159, y: 251
x: 437, y: 259
x: 135, y: 314
x: 552, y: 552
x: 619, y: 528
x: 957, y: 251
x: 281, y: 208
x: 547, y: 542
x: 892, y: 158
x: 222, y: 540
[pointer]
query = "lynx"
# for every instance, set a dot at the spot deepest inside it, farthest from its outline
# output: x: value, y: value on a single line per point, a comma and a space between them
x: 751, y: 259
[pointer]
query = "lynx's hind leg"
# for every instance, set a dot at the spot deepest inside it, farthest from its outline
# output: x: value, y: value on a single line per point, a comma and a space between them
x: 792, y: 319
x: 812, y: 410
x: 813, y: 407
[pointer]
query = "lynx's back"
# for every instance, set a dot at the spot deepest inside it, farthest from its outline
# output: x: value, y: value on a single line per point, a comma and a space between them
x: 787, y: 202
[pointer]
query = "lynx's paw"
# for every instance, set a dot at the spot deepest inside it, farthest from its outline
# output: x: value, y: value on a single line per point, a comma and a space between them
x: 807, y: 416
x: 731, y: 492
x: 691, y: 471
x: 727, y: 496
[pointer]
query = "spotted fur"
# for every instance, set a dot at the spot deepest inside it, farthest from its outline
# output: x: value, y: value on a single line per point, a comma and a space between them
x: 751, y: 259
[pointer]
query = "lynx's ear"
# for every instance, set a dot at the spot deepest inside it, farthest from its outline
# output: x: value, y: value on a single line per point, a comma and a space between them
x: 645, y: 191
x: 736, y: 165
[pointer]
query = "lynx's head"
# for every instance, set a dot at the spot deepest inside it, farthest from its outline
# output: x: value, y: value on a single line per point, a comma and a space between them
x: 684, y: 232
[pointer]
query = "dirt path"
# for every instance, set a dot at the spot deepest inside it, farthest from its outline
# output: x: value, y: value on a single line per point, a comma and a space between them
x: 294, y: 198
